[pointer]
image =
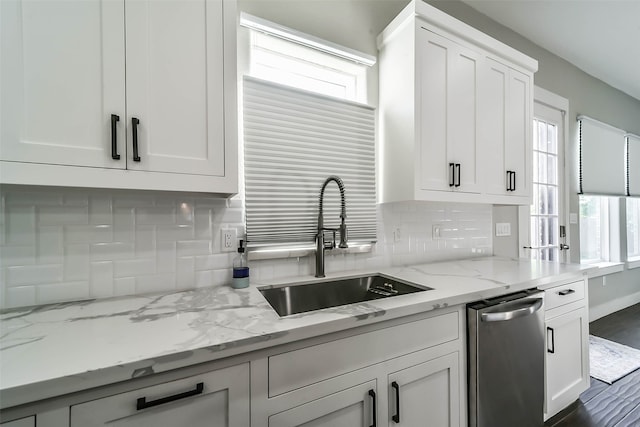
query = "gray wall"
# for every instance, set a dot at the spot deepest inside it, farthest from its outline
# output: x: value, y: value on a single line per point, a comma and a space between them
x: 356, y: 23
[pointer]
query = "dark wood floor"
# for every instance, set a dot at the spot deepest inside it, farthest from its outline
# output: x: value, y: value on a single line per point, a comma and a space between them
x: 605, y: 405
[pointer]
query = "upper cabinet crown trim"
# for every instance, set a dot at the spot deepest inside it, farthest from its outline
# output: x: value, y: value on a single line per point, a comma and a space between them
x: 437, y: 18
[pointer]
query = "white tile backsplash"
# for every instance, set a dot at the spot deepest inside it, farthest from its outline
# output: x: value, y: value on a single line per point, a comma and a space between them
x: 67, y: 244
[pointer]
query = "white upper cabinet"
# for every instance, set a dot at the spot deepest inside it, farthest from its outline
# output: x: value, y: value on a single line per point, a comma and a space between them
x: 447, y: 77
x: 455, y: 112
x: 169, y: 117
x: 175, y: 86
x: 505, y: 131
x: 62, y: 78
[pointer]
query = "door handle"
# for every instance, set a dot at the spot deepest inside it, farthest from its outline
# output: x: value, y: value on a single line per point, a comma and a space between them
x: 452, y: 180
x: 396, y: 417
x: 553, y: 344
x: 143, y: 404
x: 508, y: 180
x: 373, y: 400
x: 564, y: 247
x: 114, y: 137
x: 134, y: 130
x: 512, y: 314
x: 458, y: 173
x: 513, y: 187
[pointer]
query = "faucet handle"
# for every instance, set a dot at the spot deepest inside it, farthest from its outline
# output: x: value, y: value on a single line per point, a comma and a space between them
x: 330, y: 244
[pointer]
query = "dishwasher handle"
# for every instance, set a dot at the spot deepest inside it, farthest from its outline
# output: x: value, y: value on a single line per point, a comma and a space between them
x: 521, y: 311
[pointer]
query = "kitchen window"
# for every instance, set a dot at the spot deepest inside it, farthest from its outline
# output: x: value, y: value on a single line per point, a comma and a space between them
x: 594, y: 229
x: 286, y: 56
x: 304, y: 120
x: 633, y: 231
x: 600, y: 233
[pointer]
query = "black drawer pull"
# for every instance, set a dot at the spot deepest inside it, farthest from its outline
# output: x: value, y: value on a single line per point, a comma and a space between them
x: 553, y: 344
x: 396, y: 417
x: 513, y: 187
x: 373, y: 399
x: 134, y: 130
x: 458, y: 171
x: 114, y: 137
x: 508, y: 180
x: 143, y: 404
x: 566, y: 292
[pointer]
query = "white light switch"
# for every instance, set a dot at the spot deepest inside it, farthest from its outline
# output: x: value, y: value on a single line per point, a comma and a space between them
x: 503, y: 229
x: 573, y: 218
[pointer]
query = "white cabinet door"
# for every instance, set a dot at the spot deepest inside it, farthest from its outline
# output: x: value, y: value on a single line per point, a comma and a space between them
x: 567, y: 359
x: 215, y: 399
x: 517, y: 150
x: 428, y: 391
x: 493, y: 126
x: 347, y: 408
x: 62, y: 77
x: 505, y: 130
x: 448, y: 99
x: 23, y: 422
x: 175, y: 85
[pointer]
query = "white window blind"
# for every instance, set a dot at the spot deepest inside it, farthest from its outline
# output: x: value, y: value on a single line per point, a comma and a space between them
x: 633, y: 165
x: 293, y: 141
x: 602, y: 158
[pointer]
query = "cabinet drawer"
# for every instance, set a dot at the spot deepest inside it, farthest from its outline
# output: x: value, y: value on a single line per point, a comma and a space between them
x: 292, y: 370
x: 219, y: 398
x: 565, y: 294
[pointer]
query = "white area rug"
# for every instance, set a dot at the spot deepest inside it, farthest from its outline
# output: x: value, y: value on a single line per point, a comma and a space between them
x: 611, y: 361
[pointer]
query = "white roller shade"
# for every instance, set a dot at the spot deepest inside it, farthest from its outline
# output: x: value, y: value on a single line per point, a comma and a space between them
x: 633, y: 165
x: 602, y: 158
x: 293, y: 140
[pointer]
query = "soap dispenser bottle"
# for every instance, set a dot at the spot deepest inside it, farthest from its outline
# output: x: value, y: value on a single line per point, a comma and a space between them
x: 240, y: 269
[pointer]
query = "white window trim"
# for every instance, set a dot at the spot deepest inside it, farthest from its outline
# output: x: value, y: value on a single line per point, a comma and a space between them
x: 265, y: 26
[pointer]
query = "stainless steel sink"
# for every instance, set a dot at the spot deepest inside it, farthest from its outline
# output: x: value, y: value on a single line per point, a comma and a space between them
x: 301, y: 298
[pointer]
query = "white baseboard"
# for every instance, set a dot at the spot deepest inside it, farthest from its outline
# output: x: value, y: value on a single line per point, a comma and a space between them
x: 612, y: 306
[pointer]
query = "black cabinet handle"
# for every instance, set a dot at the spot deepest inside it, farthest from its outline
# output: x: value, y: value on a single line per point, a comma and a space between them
x: 143, y: 404
x: 508, y: 180
x: 452, y: 180
x: 553, y: 344
x: 566, y: 292
x: 134, y: 129
x: 458, y: 173
x: 513, y: 186
x: 114, y: 137
x: 373, y: 399
x: 396, y: 417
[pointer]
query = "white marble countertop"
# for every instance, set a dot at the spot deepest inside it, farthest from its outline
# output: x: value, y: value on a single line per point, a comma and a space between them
x: 56, y: 349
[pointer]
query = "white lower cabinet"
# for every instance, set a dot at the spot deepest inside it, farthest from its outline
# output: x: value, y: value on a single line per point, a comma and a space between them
x: 23, y: 422
x: 399, y: 375
x: 215, y: 399
x: 428, y: 391
x: 355, y: 406
x: 567, y: 349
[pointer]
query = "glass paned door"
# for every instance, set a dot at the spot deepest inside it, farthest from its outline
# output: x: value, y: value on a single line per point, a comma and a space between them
x: 542, y: 234
x: 544, y: 212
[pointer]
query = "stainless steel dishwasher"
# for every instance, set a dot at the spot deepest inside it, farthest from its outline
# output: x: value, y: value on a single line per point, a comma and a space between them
x: 506, y: 360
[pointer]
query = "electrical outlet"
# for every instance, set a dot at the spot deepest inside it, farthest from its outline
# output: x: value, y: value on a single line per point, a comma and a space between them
x: 228, y: 239
x: 503, y: 229
x: 436, y: 231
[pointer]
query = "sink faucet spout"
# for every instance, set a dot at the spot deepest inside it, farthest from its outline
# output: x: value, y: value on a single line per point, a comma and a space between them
x: 320, y: 243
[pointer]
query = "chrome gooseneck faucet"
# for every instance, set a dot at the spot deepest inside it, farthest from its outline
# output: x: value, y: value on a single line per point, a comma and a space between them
x: 320, y: 243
